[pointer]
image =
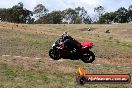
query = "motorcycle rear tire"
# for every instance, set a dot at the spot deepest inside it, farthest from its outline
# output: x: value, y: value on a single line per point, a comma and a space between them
x: 86, y: 58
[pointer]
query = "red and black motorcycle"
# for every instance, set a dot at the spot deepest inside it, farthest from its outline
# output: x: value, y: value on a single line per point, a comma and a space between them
x: 58, y: 51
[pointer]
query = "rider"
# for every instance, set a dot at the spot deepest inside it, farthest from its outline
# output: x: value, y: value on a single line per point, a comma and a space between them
x: 70, y: 43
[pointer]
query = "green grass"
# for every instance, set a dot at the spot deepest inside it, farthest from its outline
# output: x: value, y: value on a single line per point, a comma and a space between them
x: 50, y: 74
x: 18, y: 43
x: 18, y: 77
x: 31, y: 77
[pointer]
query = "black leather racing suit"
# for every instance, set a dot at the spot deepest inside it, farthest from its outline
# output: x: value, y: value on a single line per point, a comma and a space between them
x: 71, y: 44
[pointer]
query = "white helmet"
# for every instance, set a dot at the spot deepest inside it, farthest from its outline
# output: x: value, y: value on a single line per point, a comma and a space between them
x: 64, y: 34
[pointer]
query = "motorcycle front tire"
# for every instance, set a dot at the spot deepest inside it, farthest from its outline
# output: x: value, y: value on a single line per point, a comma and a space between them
x: 54, y: 54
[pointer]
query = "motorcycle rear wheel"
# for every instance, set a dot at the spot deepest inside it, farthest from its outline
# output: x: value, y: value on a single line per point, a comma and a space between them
x: 54, y: 54
x: 88, y: 57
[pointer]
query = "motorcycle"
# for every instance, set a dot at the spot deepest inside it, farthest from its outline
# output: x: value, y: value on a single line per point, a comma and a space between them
x: 58, y: 51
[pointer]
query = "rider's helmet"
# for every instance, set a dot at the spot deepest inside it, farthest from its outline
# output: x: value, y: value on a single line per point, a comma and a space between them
x: 65, y: 34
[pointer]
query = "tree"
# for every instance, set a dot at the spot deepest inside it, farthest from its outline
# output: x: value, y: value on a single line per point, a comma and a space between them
x: 40, y: 10
x: 121, y: 15
x: 20, y: 14
x: 3, y: 14
x: 87, y: 20
x: 16, y: 14
x: 75, y: 16
x: 55, y: 17
x: 129, y: 14
x: 108, y: 17
x: 69, y: 15
x: 81, y: 14
x: 100, y: 10
x: 20, y: 4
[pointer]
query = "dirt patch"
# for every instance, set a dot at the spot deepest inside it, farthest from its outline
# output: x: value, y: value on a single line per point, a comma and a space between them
x: 30, y: 63
x: 115, y: 61
x: 87, y: 29
x: 26, y: 28
x: 127, y: 31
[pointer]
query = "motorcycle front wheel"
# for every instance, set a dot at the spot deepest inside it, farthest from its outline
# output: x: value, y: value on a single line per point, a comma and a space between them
x: 54, y: 54
x: 88, y: 57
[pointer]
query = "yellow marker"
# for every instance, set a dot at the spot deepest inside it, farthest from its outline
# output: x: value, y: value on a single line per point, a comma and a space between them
x: 81, y: 71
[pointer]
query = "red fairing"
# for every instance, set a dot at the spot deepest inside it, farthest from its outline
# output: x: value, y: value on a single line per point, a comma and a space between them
x: 87, y: 44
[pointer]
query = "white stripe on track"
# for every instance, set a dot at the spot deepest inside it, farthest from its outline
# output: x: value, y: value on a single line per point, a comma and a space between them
x: 17, y: 56
x: 37, y: 58
x: 6, y: 55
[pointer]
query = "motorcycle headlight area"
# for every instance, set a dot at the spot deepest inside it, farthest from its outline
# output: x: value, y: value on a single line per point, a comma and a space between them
x: 53, y: 45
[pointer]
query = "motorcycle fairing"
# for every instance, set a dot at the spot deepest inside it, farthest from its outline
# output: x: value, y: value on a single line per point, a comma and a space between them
x: 86, y: 44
